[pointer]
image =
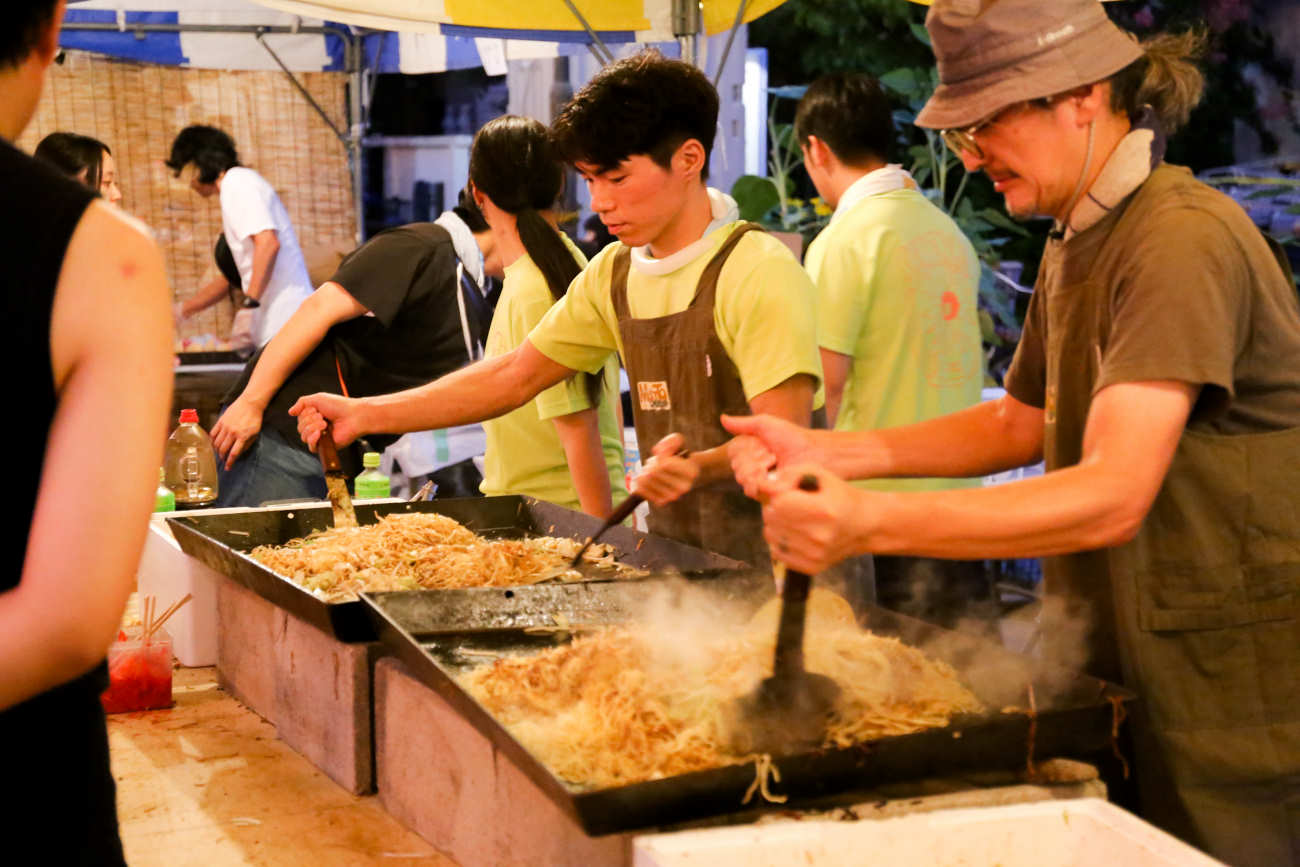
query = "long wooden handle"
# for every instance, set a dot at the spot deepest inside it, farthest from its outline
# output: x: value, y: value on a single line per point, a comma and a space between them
x: 329, y: 455
x: 794, y: 609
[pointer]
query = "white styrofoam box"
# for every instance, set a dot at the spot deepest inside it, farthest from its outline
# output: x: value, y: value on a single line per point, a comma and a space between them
x: 168, y: 573
x: 1085, y: 832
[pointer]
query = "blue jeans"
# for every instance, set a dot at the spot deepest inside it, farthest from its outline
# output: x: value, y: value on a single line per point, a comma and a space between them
x: 271, y: 469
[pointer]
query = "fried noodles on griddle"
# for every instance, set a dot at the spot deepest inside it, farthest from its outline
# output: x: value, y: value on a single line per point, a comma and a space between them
x: 421, y: 551
x: 624, y: 706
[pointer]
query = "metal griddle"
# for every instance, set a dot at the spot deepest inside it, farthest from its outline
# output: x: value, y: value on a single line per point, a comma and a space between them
x: 222, y: 542
x: 436, y: 636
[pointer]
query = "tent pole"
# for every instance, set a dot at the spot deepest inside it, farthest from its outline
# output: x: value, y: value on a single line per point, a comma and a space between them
x: 731, y: 38
x: 293, y: 79
x: 596, y: 42
x: 686, y: 27
x: 352, y: 138
x: 356, y: 130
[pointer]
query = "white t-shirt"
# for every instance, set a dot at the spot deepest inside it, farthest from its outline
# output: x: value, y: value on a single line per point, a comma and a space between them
x: 250, y: 205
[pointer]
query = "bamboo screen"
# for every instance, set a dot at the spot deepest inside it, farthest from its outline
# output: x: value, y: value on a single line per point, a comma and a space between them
x: 137, y: 109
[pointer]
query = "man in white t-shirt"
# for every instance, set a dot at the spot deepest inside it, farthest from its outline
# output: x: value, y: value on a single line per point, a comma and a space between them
x: 256, y: 226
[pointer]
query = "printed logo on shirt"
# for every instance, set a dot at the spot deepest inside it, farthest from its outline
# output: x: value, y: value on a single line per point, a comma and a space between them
x: 951, y: 306
x: 654, y: 396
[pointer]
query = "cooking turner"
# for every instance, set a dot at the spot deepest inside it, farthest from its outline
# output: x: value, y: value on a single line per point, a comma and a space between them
x: 618, y: 516
x: 336, y: 483
x: 788, y: 711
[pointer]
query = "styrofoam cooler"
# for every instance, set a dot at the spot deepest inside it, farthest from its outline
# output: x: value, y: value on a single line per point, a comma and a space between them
x: 168, y: 573
x: 1085, y: 832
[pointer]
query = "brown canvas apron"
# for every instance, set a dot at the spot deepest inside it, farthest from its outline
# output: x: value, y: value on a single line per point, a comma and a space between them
x: 682, y: 380
x: 1198, y: 613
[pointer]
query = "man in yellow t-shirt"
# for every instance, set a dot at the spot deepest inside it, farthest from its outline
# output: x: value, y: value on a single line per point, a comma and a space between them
x: 708, y: 316
x: 897, y: 284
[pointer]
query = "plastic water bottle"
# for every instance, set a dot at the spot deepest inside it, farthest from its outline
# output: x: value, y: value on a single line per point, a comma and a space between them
x: 163, y: 499
x: 371, y: 484
x: 189, y: 463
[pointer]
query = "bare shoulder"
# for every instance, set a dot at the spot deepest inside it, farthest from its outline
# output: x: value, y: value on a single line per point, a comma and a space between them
x: 112, y: 290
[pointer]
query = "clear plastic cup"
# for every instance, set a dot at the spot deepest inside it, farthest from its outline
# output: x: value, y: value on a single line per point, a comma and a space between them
x: 139, y: 674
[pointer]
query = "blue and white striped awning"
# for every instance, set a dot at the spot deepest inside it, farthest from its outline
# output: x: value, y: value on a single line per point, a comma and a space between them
x: 170, y: 32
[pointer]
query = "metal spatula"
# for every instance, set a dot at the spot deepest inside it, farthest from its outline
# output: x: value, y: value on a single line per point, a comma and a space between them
x: 789, y: 710
x: 618, y: 516
x: 336, y: 483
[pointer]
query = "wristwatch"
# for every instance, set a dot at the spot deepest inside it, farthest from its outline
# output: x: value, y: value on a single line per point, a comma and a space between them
x: 250, y: 302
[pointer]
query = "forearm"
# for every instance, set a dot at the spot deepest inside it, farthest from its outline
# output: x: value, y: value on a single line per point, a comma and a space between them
x: 483, y: 390
x: 1075, y: 509
x: 579, y: 434
x: 986, y: 438
x: 208, y: 295
x: 264, y: 256
x: 286, y: 350
x: 835, y: 372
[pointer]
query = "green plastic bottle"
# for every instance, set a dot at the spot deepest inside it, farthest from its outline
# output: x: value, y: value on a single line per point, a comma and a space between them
x: 163, y: 499
x: 371, y: 484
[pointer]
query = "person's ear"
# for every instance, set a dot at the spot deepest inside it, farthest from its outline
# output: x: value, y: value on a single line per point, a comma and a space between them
x: 690, y: 158
x: 815, y: 152
x: 1088, y: 102
x: 47, y: 46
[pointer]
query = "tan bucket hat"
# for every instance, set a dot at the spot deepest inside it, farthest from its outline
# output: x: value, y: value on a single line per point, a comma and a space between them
x: 995, y: 53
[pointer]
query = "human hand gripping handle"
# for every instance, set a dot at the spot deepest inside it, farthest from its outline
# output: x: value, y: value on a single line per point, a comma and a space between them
x: 668, y: 474
x: 764, y: 443
x: 810, y: 517
x: 314, y: 411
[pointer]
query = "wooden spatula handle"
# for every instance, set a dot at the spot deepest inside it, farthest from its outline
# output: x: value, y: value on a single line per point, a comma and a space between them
x: 329, y: 455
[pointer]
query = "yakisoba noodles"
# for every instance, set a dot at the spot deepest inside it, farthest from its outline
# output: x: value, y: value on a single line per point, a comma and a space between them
x: 621, y: 706
x: 421, y: 550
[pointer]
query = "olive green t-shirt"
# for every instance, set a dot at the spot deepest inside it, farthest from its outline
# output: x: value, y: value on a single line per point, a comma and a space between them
x: 1176, y: 284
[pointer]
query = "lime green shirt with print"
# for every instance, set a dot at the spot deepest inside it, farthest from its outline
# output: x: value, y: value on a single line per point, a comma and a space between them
x: 897, y: 283
x: 763, y: 312
x: 524, y: 454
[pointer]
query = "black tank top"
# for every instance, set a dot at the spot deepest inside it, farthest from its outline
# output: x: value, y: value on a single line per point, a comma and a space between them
x: 56, y: 741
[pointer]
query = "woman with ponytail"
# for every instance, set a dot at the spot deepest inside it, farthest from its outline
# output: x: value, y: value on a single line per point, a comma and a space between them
x: 565, y: 446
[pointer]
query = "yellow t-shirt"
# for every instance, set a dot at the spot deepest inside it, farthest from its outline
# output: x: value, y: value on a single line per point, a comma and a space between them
x: 897, y: 284
x: 763, y: 312
x: 524, y: 454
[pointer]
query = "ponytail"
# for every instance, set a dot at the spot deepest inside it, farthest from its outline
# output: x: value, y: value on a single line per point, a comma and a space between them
x: 514, y: 164
x: 1165, y: 77
x: 552, y: 257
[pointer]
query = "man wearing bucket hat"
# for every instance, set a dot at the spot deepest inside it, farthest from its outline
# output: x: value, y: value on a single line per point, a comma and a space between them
x: 1159, y: 377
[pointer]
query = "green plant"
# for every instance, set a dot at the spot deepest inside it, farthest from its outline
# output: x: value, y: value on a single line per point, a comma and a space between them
x: 771, y: 201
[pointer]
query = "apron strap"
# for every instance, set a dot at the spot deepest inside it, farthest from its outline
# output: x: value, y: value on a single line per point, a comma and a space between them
x: 708, y: 285
x: 618, y: 281
x: 704, y: 290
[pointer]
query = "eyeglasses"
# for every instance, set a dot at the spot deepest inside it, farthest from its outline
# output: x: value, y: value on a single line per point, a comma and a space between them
x: 959, y: 140
x: 963, y: 140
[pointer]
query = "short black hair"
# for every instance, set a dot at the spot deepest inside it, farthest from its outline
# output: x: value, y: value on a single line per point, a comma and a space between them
x: 25, y: 23
x: 71, y: 153
x: 850, y: 112
x: 644, y: 104
x: 211, y: 150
